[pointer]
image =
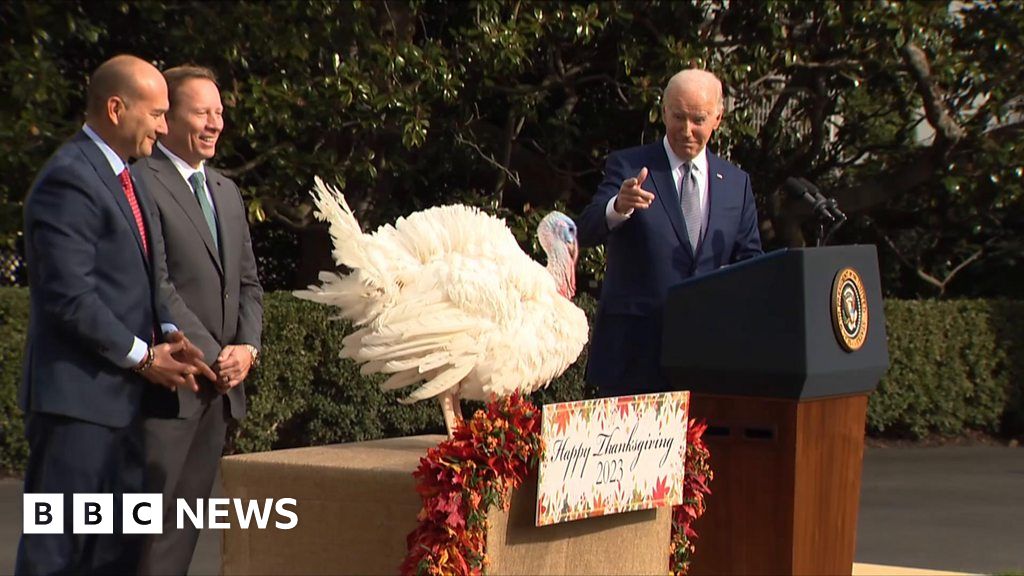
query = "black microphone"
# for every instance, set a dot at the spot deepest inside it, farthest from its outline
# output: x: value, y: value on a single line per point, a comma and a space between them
x: 829, y: 204
x: 809, y: 193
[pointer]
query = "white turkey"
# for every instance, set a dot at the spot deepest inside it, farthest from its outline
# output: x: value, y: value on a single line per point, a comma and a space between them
x: 446, y: 300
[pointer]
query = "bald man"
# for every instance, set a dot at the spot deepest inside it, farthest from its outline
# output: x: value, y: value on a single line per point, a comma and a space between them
x: 665, y: 212
x: 99, y: 333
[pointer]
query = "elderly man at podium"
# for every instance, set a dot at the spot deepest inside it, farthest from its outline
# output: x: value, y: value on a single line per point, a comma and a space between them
x: 665, y: 212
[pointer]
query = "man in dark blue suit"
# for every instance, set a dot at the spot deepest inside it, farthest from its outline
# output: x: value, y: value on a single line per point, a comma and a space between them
x: 665, y: 212
x: 96, y: 319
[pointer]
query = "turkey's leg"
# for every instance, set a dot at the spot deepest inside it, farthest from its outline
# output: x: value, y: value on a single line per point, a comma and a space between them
x: 457, y: 406
x: 452, y: 412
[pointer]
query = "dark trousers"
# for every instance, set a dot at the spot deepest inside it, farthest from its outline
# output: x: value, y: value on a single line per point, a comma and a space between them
x: 625, y: 355
x: 182, y: 458
x: 68, y: 456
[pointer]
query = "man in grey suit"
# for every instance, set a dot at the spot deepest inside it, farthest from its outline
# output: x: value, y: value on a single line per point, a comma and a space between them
x: 214, y: 295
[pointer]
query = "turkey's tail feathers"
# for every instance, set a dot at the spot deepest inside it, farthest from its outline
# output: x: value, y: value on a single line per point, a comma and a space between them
x: 345, y: 231
x: 362, y: 294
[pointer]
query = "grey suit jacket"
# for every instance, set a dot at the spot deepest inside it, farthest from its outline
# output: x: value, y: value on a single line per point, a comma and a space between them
x: 214, y: 295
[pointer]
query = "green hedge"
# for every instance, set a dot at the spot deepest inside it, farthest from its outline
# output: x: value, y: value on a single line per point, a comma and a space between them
x: 13, y: 328
x: 956, y: 366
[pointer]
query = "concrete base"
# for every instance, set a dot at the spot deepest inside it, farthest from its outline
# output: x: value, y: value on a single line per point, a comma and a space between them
x: 356, y: 503
x: 879, y: 570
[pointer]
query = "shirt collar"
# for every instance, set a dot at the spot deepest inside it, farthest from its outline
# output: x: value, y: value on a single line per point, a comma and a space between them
x: 117, y: 164
x: 183, y: 167
x: 700, y: 161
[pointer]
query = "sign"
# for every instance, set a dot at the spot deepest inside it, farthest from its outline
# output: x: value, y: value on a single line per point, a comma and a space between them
x: 611, y: 455
x: 849, y: 304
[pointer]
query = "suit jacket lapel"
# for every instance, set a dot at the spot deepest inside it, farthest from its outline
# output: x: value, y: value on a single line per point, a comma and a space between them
x: 106, y: 174
x: 168, y: 175
x: 717, y: 186
x: 222, y: 203
x: 666, y: 194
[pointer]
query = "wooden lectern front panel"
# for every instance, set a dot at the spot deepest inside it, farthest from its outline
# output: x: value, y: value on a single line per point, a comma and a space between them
x: 829, y: 457
x: 786, y: 488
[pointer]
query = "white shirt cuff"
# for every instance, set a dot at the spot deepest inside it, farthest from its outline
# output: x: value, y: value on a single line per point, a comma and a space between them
x: 136, y: 354
x: 613, y: 217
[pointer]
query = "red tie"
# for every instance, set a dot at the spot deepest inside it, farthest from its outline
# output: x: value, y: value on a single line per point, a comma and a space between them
x: 129, y: 191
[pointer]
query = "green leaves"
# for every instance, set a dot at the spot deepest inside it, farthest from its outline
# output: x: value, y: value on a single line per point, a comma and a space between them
x: 508, y: 104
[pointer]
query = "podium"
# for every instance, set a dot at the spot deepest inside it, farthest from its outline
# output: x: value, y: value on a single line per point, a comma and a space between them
x: 780, y: 353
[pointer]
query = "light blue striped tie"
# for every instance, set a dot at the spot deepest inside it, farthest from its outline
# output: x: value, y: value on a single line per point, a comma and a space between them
x: 197, y: 182
x: 690, y: 203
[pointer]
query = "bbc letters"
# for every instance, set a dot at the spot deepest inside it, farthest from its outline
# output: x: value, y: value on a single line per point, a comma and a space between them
x: 143, y: 513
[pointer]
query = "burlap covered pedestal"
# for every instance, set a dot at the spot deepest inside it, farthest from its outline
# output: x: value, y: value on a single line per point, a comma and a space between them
x: 357, y: 502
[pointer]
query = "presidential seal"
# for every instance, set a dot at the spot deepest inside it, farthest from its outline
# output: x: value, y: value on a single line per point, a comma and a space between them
x: 849, y: 310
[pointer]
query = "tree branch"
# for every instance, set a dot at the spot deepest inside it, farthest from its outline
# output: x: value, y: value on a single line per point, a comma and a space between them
x: 255, y: 162
x: 942, y: 284
x: 967, y: 262
x: 294, y: 217
x: 908, y: 264
x: 512, y: 175
x: 506, y: 157
x: 771, y: 124
x: 1004, y: 130
x: 934, y: 105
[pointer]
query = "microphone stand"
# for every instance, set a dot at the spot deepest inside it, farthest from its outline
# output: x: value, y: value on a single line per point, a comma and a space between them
x: 836, y: 219
x: 830, y: 217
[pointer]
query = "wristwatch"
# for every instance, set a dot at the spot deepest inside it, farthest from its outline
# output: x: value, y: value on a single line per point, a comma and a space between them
x: 146, y: 362
x: 255, y: 354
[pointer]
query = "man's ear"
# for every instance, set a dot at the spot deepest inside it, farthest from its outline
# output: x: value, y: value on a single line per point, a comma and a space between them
x: 718, y: 117
x: 115, y: 108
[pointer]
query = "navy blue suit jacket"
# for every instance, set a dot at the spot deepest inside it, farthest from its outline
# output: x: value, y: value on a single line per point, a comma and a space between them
x: 92, y: 289
x: 649, y: 253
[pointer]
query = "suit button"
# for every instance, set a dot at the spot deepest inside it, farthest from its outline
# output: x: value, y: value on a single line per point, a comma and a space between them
x: 225, y: 295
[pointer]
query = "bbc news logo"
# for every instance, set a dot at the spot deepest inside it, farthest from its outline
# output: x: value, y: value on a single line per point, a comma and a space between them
x: 143, y: 513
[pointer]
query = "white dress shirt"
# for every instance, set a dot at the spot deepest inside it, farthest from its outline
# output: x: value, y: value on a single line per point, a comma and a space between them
x: 700, y: 170
x: 187, y: 171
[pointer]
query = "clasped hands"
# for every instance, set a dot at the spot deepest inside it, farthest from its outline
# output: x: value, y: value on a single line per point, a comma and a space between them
x: 233, y: 366
x: 176, y: 363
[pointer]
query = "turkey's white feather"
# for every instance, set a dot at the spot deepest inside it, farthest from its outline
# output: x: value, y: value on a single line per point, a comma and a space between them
x: 445, y: 297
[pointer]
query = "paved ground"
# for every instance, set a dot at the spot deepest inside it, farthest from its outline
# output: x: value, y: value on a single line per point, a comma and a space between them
x: 950, y: 508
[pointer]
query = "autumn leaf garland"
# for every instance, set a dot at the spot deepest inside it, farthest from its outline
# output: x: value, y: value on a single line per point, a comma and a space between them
x: 486, y: 459
x: 696, y: 483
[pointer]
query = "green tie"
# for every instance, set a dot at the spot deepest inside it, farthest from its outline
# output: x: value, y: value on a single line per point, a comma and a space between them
x: 196, y: 180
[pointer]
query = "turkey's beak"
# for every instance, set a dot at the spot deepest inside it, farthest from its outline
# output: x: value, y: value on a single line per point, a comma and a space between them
x: 574, y: 250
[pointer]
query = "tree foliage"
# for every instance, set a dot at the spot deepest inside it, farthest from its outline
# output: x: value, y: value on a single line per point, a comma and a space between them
x: 909, y: 113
